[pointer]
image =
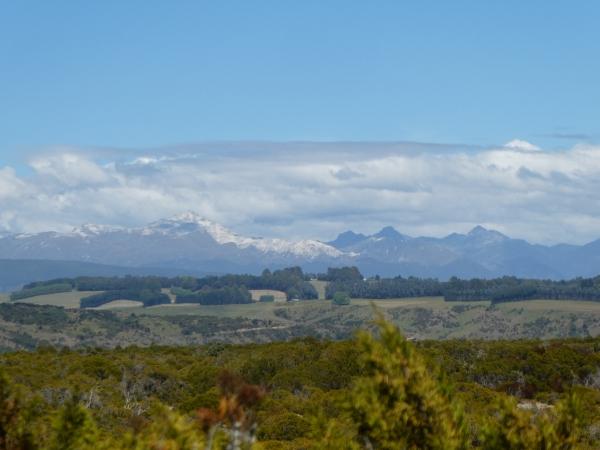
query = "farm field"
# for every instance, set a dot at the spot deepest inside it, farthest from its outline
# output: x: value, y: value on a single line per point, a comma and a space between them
x: 116, y: 304
x: 64, y: 299
x: 419, y: 318
x: 425, y: 302
x: 71, y: 300
x: 250, y: 311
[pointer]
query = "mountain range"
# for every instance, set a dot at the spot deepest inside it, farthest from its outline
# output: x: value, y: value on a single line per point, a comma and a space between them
x: 189, y: 243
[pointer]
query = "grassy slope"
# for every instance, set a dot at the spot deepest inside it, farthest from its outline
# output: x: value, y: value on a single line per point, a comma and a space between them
x: 529, y: 319
x: 422, y: 318
x: 64, y: 299
x: 117, y: 304
x: 320, y: 287
x: 250, y: 311
x: 426, y: 318
x: 168, y: 292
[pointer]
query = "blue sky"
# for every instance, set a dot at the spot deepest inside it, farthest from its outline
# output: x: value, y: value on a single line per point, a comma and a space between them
x: 123, y: 112
x: 141, y: 74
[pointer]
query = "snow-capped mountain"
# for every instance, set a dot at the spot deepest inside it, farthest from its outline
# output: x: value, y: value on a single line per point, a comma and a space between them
x: 190, y: 222
x: 90, y: 229
x: 186, y: 240
x: 189, y: 243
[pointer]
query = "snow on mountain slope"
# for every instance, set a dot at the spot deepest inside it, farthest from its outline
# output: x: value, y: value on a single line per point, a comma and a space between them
x: 186, y: 225
x: 193, y: 243
x: 190, y: 222
x: 91, y: 229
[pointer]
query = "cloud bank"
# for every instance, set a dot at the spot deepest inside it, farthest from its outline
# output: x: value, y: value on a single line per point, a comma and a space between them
x: 315, y: 190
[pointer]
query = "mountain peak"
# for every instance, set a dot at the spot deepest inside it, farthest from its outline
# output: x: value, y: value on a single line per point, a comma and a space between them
x: 389, y: 232
x: 346, y: 239
x: 477, y: 230
x: 186, y: 221
x: 480, y: 232
x: 190, y: 222
x: 188, y: 217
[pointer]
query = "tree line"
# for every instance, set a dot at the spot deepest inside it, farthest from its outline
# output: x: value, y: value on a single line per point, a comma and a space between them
x: 146, y: 296
x: 496, y: 290
x: 231, y: 288
x: 227, y: 295
x: 210, y: 290
x: 41, y: 290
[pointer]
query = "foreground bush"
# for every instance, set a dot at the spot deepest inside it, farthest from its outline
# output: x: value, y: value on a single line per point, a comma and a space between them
x: 400, y: 404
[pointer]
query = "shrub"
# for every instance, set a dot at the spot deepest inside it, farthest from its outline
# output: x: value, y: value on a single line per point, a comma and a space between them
x: 341, y: 298
x: 398, y: 403
x: 222, y: 296
x: 283, y: 427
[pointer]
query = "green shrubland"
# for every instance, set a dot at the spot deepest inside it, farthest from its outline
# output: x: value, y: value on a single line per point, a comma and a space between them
x: 378, y: 391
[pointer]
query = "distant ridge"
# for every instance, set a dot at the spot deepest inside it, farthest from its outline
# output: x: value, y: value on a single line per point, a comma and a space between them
x: 16, y: 272
x: 190, y: 243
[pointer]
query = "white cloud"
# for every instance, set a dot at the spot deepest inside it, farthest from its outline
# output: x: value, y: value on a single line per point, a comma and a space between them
x: 318, y: 190
x: 70, y: 169
x: 11, y: 186
x: 518, y: 144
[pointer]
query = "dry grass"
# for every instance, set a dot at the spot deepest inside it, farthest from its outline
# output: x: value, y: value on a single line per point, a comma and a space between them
x: 410, y: 302
x: 168, y: 292
x: 320, y: 287
x: 553, y: 305
x: 117, y: 304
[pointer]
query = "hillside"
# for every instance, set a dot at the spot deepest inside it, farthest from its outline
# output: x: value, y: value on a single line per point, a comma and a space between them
x: 24, y: 326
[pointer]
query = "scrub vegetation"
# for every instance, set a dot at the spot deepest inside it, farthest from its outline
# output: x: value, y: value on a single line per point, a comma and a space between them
x: 374, y: 391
